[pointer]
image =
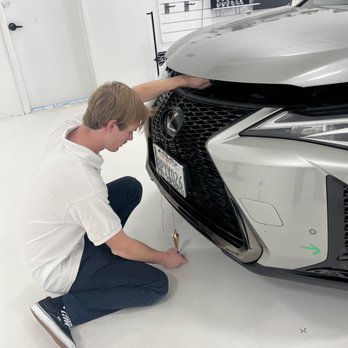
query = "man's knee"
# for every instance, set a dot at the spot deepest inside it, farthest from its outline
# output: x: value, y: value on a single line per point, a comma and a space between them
x: 135, y: 188
x: 159, y: 288
x: 163, y: 285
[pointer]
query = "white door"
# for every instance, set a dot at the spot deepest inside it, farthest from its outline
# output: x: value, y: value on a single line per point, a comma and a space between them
x: 10, y: 103
x: 51, y: 49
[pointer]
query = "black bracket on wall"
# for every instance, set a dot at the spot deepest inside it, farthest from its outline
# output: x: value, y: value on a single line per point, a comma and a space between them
x: 155, y: 41
x: 187, y: 5
x: 167, y: 7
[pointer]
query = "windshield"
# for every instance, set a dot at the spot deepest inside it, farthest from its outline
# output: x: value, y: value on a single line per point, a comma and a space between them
x: 325, y: 3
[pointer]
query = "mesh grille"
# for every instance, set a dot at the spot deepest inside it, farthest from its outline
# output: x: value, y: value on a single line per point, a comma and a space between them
x: 206, y: 193
x: 344, y: 256
x: 336, y: 264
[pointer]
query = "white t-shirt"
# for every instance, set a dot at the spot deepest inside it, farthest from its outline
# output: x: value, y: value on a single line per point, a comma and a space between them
x: 65, y: 199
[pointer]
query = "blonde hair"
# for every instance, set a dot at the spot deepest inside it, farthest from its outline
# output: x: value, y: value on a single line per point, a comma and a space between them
x: 115, y: 101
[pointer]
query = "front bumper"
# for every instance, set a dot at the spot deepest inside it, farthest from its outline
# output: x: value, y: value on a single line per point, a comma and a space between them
x: 221, y: 176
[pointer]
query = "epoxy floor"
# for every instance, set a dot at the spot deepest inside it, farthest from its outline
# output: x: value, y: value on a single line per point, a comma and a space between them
x: 213, y: 301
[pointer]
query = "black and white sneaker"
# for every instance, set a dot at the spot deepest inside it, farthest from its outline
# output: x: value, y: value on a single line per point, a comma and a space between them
x: 52, y: 316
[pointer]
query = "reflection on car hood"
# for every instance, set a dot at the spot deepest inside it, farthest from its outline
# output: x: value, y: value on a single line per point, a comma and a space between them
x: 297, y: 46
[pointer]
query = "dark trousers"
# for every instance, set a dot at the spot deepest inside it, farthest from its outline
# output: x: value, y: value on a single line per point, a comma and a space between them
x: 106, y: 283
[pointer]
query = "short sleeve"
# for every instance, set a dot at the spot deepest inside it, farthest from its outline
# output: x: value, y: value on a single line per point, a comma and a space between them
x: 96, y: 216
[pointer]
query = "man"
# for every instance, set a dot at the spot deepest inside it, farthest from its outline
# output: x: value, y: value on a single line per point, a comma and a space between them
x: 72, y: 222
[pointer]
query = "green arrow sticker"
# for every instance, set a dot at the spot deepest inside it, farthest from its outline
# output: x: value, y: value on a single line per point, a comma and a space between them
x: 312, y: 247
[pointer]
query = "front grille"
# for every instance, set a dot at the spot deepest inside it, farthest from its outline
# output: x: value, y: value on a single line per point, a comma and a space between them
x: 207, y: 198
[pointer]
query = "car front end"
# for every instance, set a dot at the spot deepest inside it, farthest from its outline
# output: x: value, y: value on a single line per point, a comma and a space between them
x: 258, y: 162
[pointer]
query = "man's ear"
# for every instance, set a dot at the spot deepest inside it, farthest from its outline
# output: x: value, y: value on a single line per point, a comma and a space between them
x: 111, y: 124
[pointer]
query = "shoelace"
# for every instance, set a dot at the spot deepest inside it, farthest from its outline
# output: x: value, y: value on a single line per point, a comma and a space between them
x: 66, y: 318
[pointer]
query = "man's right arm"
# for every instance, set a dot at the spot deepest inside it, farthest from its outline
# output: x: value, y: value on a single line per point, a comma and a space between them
x: 150, y: 90
x: 128, y: 248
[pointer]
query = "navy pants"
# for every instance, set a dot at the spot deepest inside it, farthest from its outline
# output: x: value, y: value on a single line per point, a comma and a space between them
x: 106, y: 283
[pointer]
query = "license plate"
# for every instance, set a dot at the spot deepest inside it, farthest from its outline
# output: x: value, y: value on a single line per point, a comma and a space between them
x: 170, y: 170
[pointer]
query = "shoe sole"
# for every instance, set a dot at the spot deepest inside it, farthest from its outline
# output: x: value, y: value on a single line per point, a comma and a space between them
x: 51, y: 327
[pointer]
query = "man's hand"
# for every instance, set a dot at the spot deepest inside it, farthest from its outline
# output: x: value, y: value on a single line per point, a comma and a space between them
x: 194, y: 82
x: 132, y: 249
x: 150, y: 90
x: 173, y: 259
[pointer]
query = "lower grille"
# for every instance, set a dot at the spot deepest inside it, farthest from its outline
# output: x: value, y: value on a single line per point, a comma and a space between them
x: 336, y: 264
x: 207, y: 198
x: 344, y: 255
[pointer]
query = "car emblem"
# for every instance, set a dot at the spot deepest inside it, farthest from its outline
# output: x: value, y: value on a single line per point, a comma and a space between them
x: 172, y: 121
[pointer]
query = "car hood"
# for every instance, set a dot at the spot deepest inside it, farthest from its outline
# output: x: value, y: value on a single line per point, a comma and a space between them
x: 296, y: 46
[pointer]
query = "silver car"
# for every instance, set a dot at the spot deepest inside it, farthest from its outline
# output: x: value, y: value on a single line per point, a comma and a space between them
x: 258, y: 162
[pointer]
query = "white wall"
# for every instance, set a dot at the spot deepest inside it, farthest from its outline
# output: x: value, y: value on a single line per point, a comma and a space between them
x: 121, y: 40
x: 10, y: 103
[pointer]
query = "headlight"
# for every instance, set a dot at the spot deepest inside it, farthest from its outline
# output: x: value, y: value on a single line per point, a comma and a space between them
x: 329, y: 129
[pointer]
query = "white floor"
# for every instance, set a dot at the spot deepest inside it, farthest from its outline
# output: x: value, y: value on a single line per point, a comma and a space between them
x: 213, y: 301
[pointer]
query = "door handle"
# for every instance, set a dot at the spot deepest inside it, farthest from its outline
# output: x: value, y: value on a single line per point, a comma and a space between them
x: 13, y: 26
